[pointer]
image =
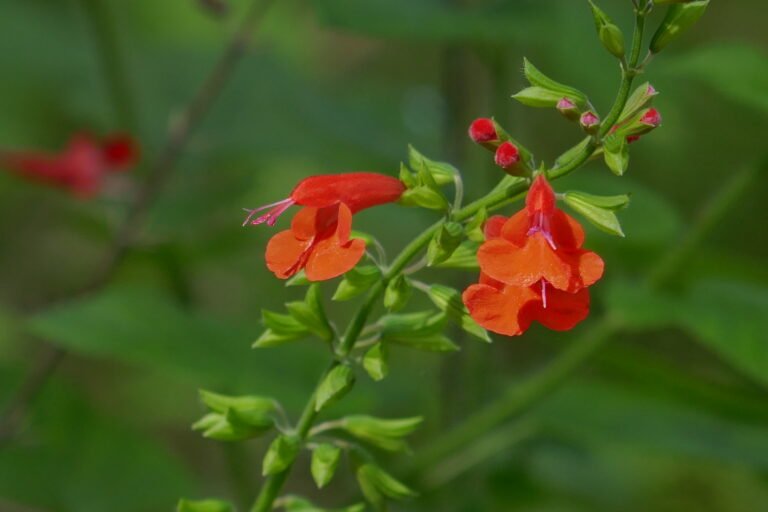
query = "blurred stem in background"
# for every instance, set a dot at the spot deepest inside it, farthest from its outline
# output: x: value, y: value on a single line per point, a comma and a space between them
x: 518, y: 398
x: 160, y: 171
x: 112, y: 62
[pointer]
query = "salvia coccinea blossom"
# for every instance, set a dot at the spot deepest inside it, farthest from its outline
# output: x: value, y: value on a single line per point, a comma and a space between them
x: 533, y: 268
x: 80, y: 167
x: 319, y: 240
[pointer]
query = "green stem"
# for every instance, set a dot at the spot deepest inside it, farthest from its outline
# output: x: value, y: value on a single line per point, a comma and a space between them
x: 519, y: 397
x: 628, y: 73
x: 112, y: 61
x: 272, y: 486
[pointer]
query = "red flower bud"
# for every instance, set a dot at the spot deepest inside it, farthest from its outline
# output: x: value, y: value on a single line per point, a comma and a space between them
x: 507, y: 155
x: 482, y: 130
x: 589, y: 121
x: 633, y: 138
x: 652, y: 118
x: 568, y: 108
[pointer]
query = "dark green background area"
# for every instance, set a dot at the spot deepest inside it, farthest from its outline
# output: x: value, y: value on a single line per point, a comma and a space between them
x: 670, y: 417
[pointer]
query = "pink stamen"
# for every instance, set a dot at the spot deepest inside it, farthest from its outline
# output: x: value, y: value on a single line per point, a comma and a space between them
x: 544, y: 293
x: 272, y: 215
x: 541, y: 225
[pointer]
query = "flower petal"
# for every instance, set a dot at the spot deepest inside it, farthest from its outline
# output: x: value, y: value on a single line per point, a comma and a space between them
x: 567, y: 233
x: 541, y: 197
x: 358, y: 190
x: 493, y: 225
x: 564, y: 310
x: 330, y: 259
x: 527, y: 265
x: 285, y: 254
x: 499, y: 310
x: 516, y: 228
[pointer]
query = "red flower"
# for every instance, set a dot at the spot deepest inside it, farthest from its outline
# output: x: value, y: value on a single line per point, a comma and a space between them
x: 541, y: 242
x: 80, y: 167
x: 510, y: 310
x: 533, y: 268
x: 319, y: 239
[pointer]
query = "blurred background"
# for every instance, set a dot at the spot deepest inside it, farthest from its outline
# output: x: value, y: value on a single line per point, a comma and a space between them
x: 670, y: 416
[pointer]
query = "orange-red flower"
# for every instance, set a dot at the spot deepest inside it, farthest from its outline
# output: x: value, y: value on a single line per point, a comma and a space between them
x: 80, y: 167
x: 319, y: 240
x: 541, y: 242
x: 533, y: 269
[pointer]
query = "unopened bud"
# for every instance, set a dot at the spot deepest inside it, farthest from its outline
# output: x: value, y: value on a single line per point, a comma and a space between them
x: 633, y: 138
x: 589, y: 122
x: 680, y: 17
x: 652, y: 118
x: 610, y: 34
x: 568, y: 109
x: 482, y: 130
x: 507, y: 155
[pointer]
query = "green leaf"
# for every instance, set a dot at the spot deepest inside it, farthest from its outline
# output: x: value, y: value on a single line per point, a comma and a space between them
x: 421, y: 331
x: 464, y: 257
x: 449, y: 300
x: 539, y: 79
x: 474, y: 228
x: 428, y: 343
x: 613, y: 203
x: 387, y: 434
x: 219, y: 427
x: 335, y: 385
x: 440, y: 172
x: 325, y: 460
x: 728, y: 318
x: 424, y: 197
x: 144, y: 327
x: 298, y: 504
x: 311, y: 314
x: 282, y: 324
x: 253, y: 411
x: 616, y: 154
x: 737, y: 71
x: 602, y: 218
x: 538, y: 97
x: 376, y: 361
x: 571, y: 153
x: 204, y: 506
x: 432, y: 21
x: 731, y: 319
x: 377, y: 485
x: 444, y: 242
x: 299, y: 279
x: 280, y: 455
x: 679, y: 18
x: 357, y: 281
x: 397, y: 293
x: 270, y: 338
x: 640, y: 99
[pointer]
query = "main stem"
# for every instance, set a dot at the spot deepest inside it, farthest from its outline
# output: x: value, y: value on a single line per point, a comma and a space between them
x: 493, y: 200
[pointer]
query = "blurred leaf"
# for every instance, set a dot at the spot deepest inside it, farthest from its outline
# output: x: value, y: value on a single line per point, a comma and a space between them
x: 737, y: 71
x: 335, y: 385
x: 727, y: 317
x: 325, y: 460
x: 376, y: 361
x: 204, y: 506
x: 144, y: 327
x: 387, y: 434
x: 81, y: 461
x: 430, y: 20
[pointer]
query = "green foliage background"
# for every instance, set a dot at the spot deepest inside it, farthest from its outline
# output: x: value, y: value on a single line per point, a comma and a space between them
x: 670, y: 417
